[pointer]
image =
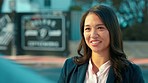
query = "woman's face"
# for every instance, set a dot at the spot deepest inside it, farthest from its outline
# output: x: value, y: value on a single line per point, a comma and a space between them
x: 96, y: 34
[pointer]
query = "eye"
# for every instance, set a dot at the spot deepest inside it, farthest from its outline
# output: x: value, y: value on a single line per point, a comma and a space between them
x: 87, y: 29
x: 101, y: 27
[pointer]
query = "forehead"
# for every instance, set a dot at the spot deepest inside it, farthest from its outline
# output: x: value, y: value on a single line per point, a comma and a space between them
x: 92, y: 18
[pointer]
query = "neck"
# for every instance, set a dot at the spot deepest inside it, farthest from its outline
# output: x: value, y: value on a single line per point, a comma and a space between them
x: 99, y: 59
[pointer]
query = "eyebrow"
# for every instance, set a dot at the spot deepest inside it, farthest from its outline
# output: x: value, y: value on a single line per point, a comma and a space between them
x: 95, y: 25
x: 99, y: 24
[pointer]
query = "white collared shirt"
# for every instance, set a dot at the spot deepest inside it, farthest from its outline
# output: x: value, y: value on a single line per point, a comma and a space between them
x: 101, y: 76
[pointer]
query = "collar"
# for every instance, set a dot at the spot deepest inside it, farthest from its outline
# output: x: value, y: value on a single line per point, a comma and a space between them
x: 102, y: 69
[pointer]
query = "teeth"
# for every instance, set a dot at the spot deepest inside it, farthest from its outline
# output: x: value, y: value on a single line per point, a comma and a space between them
x: 94, y: 42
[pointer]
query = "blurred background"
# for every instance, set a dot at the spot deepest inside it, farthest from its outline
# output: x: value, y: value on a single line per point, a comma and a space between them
x: 41, y: 34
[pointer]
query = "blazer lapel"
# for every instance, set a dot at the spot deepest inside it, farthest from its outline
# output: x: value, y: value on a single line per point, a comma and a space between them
x: 81, y: 73
x: 111, y: 76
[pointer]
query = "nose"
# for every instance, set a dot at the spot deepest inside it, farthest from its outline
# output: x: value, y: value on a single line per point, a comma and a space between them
x: 94, y: 34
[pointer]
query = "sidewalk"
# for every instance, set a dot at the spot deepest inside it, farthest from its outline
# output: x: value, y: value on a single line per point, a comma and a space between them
x: 136, y: 51
x: 58, y: 61
x: 140, y: 61
x: 52, y: 61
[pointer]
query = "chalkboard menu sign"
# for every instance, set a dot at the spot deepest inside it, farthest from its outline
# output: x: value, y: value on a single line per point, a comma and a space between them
x: 42, y: 33
x: 6, y: 34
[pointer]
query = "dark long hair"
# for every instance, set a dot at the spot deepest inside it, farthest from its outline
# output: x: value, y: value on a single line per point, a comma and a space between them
x: 117, y: 56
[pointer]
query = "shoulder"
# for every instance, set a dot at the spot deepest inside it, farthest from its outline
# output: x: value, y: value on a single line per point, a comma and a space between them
x: 69, y: 64
x: 134, y: 67
x: 70, y: 71
x: 67, y: 68
x: 135, y: 73
x: 69, y: 60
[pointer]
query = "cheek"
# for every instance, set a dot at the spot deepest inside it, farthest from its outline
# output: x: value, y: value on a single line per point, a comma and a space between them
x: 105, y: 36
x: 86, y: 37
x: 108, y: 37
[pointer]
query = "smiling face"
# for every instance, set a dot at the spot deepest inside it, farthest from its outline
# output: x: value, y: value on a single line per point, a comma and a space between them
x: 96, y: 34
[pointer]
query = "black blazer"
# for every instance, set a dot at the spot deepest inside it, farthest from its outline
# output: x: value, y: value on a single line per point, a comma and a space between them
x: 73, y: 73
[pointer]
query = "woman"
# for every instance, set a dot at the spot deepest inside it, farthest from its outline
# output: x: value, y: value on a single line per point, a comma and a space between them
x: 102, y: 59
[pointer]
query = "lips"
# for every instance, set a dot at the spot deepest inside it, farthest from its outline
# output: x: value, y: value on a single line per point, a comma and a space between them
x: 95, y: 42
